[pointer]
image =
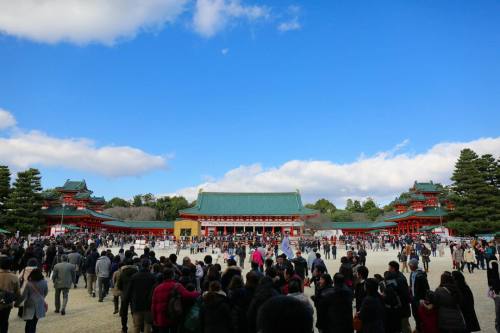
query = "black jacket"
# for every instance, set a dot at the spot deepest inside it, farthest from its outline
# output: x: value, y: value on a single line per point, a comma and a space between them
x: 300, y: 265
x: 372, y: 314
x: 216, y: 313
x: 334, y: 310
x: 140, y: 291
x: 421, y: 286
x: 467, y: 307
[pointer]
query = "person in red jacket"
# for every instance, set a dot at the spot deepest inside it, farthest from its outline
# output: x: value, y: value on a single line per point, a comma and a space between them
x: 160, y: 300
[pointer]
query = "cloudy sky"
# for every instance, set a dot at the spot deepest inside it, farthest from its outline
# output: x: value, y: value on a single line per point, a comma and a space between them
x: 335, y: 98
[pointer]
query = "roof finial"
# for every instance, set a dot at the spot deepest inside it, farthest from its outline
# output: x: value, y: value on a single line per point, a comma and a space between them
x: 200, y: 190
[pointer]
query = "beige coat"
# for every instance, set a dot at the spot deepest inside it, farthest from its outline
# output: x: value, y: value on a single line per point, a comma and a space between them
x: 9, y: 282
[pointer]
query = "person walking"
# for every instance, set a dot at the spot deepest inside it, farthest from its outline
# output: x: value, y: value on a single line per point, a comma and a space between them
x: 469, y: 259
x: 403, y: 260
x: 334, y: 305
x: 90, y: 263
x: 161, y: 300
x: 446, y: 298
x: 372, y: 311
x: 403, y: 294
x: 75, y: 258
x: 103, y: 272
x: 467, y: 302
x: 426, y: 257
x: 63, y: 277
x: 126, y: 272
x: 418, y: 289
x: 139, y: 294
x: 33, y: 297
x: 9, y: 283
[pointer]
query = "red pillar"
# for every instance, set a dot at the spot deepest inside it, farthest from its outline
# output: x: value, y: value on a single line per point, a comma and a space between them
x: 206, y: 231
x: 225, y: 230
x: 291, y: 231
x: 215, y: 231
x: 282, y: 229
x: 273, y: 231
x: 234, y: 230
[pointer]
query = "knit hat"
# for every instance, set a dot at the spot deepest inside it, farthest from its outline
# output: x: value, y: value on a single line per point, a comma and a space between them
x: 413, y: 262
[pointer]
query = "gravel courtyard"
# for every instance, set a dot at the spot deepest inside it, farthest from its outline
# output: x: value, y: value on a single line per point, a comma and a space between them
x: 85, y: 314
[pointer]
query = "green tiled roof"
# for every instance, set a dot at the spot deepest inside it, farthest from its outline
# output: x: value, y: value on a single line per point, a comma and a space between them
x: 72, y: 211
x: 357, y: 225
x: 426, y: 187
x: 427, y: 212
x: 82, y: 195
x: 72, y: 185
x: 50, y: 195
x: 140, y: 224
x: 417, y: 197
x: 249, y: 204
x: 428, y: 227
x: 98, y: 199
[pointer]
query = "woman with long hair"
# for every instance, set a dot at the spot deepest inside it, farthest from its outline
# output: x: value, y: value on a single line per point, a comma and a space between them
x: 447, y: 299
x: 34, y: 300
x: 467, y: 304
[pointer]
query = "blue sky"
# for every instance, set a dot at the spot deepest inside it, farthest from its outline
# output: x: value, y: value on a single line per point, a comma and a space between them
x: 346, y: 82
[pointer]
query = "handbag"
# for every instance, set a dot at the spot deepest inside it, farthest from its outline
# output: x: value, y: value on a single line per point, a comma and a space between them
x: 45, y: 305
x: 357, y: 324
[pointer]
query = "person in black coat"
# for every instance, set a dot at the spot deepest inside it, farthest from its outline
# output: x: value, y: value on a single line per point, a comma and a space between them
x: 139, y: 294
x: 232, y: 270
x: 240, y: 297
x: 372, y: 310
x: 334, y: 306
x: 216, y: 310
x: 467, y: 302
x: 284, y: 314
x: 265, y: 290
x: 360, y: 287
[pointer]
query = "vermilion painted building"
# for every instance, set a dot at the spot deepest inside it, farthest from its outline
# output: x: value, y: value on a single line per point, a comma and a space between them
x: 73, y: 205
x: 423, y: 205
x: 224, y: 212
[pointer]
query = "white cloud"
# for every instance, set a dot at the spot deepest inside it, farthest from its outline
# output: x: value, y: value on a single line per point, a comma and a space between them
x: 211, y: 16
x: 382, y: 176
x: 224, y: 51
x: 84, y: 21
x: 6, y: 119
x: 293, y: 22
x: 22, y: 149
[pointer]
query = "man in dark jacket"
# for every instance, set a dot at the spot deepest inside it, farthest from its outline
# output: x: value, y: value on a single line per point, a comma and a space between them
x: 418, y: 288
x: 403, y: 293
x: 334, y: 308
x: 300, y: 265
x: 227, y: 276
x: 126, y: 273
x: 139, y: 294
x: 360, y: 287
x: 90, y: 263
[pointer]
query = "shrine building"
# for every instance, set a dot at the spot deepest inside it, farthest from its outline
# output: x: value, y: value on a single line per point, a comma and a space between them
x: 225, y: 212
x: 73, y: 206
x: 424, y: 205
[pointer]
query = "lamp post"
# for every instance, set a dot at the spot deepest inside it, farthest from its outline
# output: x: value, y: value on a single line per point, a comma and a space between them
x: 62, y: 214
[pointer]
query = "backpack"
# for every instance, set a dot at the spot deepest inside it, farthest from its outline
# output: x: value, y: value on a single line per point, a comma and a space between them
x: 174, y: 306
x: 192, y: 323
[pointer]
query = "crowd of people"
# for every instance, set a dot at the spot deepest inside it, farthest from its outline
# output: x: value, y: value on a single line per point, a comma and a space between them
x: 169, y: 294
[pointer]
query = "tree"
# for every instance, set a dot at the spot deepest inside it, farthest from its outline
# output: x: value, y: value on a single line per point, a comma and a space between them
x: 475, y: 190
x: 368, y: 204
x: 349, y: 205
x: 169, y: 207
x: 117, y: 202
x: 25, y: 202
x: 342, y: 216
x: 324, y: 206
x: 357, y: 206
x: 4, y: 192
x: 148, y: 199
x: 137, y: 202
